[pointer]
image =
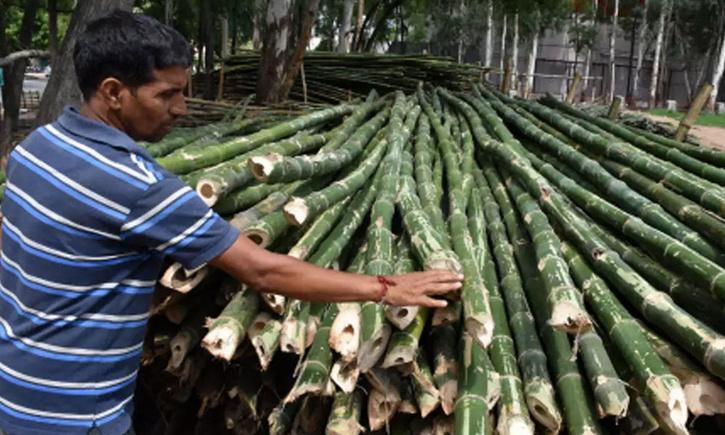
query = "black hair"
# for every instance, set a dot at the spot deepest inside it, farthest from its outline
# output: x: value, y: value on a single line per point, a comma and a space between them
x: 128, y: 47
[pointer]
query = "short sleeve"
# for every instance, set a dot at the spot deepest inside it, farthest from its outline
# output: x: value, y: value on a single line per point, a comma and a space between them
x: 171, y: 219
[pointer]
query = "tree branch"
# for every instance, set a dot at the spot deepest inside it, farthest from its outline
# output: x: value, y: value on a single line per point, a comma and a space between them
x: 23, y: 54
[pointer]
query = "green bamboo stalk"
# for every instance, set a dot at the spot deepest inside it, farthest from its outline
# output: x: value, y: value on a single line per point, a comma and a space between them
x: 614, y: 189
x: 706, y: 193
x: 215, y: 182
x: 227, y: 331
x: 689, y: 212
x: 245, y: 197
x: 293, y: 337
x: 426, y: 394
x: 375, y: 330
x: 538, y: 390
x: 661, y: 388
x: 705, y: 154
x: 401, y: 317
x: 187, y: 161
x: 403, y: 346
x: 472, y: 404
x: 276, y: 169
x: 697, y: 301
x: 657, y: 307
x: 345, y: 414
x: 445, y: 367
x: 663, y: 245
x: 577, y: 407
x: 281, y: 418
x: 318, y: 230
x: 474, y: 294
x: 674, y: 155
x: 424, y: 180
x: 565, y: 302
x: 428, y: 241
x: 300, y: 209
x: 264, y: 333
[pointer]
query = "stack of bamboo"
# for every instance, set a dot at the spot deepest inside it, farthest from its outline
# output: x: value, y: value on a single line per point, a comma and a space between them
x: 594, y: 261
x: 333, y: 77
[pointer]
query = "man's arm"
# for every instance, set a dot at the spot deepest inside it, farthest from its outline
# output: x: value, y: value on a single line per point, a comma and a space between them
x: 269, y: 272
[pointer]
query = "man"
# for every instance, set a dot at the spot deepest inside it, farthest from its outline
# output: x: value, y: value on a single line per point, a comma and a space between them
x: 89, y: 216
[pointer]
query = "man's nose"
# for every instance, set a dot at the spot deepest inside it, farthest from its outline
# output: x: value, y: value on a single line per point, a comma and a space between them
x: 179, y: 107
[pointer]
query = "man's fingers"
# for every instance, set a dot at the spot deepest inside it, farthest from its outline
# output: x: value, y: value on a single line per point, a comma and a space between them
x: 445, y: 276
x: 433, y: 303
x: 442, y: 288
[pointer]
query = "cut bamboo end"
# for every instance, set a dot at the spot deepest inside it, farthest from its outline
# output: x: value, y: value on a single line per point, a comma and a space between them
x: 480, y: 329
x: 704, y: 396
x: 445, y: 316
x: 448, y: 393
x: 542, y: 407
x: 296, y: 212
x: 669, y: 403
x: 399, y: 356
x: 221, y: 342
x: 262, y: 166
x: 258, y: 236
x: 381, y: 408
x: 345, y: 334
x: 177, y: 278
x: 208, y: 190
x: 289, y: 341
x: 264, y: 334
x: 180, y: 346
x: 514, y: 425
x: 401, y: 317
x: 275, y: 302
x: 345, y: 375
x: 568, y: 316
x: 371, y: 351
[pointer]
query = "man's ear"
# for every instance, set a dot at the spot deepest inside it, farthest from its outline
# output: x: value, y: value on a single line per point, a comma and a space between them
x: 111, y: 91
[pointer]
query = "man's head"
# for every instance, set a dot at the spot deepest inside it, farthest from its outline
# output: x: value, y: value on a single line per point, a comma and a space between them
x: 132, y: 68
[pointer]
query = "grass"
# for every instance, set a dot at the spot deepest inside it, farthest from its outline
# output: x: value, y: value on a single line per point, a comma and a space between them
x: 707, y: 119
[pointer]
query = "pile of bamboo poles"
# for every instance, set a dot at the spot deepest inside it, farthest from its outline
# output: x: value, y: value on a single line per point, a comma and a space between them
x: 594, y: 296
x: 333, y: 77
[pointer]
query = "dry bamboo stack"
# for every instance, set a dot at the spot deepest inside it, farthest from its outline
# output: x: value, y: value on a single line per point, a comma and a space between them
x: 594, y: 260
x: 333, y: 77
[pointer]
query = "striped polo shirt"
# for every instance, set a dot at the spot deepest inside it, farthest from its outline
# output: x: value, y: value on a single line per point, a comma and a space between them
x: 88, y: 218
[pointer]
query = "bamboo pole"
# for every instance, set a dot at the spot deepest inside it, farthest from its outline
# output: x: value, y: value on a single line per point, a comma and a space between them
x: 697, y: 104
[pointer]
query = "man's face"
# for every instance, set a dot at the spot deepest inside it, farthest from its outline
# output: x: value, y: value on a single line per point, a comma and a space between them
x: 148, y: 112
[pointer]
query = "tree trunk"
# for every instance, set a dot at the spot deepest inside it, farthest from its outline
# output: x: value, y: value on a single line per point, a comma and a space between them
x: 717, y: 75
x: 225, y: 37
x: 359, y: 20
x: 284, y: 48
x: 13, y: 89
x: 207, y: 25
x: 461, y: 13
x: 489, y: 34
x: 502, y: 57
x: 531, y: 67
x: 658, y: 54
x: 683, y: 54
x: 53, y: 27
x: 257, y: 23
x: 613, y: 54
x: 62, y: 88
x: 590, y: 53
x: 664, y: 77
x: 640, y: 50
x: 343, y: 40
x: 515, y: 55
x: 381, y: 23
x: 168, y: 12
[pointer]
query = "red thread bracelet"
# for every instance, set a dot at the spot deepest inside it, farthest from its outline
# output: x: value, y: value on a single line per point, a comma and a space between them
x: 384, y: 283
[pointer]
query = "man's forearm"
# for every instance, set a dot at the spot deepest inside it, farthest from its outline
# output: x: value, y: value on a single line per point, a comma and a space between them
x: 288, y: 276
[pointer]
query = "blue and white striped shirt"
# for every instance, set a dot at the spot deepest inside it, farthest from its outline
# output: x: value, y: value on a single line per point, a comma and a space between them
x: 88, y: 218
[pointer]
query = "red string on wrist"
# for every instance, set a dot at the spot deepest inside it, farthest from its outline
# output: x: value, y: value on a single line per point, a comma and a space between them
x: 384, y: 284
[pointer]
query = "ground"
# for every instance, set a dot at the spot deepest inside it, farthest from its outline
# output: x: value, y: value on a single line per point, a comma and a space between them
x: 706, y: 134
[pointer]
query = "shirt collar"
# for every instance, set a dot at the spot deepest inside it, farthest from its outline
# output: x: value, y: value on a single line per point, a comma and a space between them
x: 72, y: 120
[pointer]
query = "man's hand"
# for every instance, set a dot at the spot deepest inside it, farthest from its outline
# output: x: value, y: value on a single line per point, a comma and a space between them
x: 418, y: 288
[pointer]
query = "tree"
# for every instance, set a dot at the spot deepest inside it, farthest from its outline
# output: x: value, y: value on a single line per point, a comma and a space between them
x: 62, y: 88
x: 641, y: 44
x: 717, y: 75
x: 664, y: 13
x: 288, y: 29
x: 344, y: 38
x: 13, y: 89
x: 612, y: 53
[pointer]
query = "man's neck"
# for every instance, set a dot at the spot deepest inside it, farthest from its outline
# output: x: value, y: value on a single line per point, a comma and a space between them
x: 99, y: 113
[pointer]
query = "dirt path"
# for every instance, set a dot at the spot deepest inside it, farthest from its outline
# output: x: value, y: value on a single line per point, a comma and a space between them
x: 710, y: 136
